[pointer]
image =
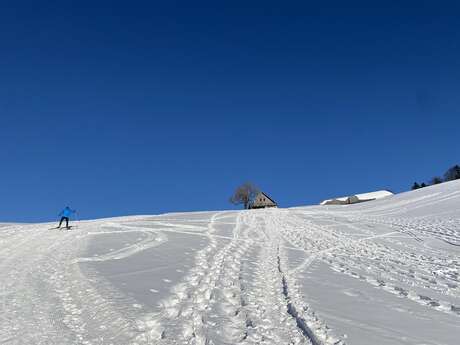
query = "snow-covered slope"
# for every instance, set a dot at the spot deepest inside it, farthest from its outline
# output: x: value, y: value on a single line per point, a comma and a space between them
x: 383, y: 272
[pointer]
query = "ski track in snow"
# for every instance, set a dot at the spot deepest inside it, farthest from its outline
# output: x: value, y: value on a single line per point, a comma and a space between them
x: 244, y: 287
x: 405, y: 273
x: 45, y: 298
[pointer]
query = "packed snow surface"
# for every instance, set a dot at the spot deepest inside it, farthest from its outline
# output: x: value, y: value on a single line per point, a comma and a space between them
x: 382, y: 272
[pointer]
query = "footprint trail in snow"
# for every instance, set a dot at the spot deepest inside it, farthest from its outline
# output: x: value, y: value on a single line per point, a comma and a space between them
x: 382, y: 272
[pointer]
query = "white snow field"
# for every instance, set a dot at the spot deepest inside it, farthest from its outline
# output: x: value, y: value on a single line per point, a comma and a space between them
x: 376, y: 273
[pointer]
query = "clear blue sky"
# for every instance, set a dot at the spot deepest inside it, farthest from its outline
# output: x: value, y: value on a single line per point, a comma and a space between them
x: 145, y: 107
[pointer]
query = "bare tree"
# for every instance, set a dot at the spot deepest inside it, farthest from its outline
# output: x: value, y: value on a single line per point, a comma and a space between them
x: 244, y: 194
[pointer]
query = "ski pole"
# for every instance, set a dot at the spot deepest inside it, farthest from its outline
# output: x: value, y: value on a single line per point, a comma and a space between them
x: 77, y: 218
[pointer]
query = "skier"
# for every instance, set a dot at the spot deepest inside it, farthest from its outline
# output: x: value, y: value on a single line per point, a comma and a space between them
x: 66, y: 213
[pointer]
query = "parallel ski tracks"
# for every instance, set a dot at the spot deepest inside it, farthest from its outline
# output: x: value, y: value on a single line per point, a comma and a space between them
x: 237, y: 293
x: 241, y: 290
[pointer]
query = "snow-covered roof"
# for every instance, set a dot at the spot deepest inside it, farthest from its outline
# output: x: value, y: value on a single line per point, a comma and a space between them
x: 374, y: 195
x: 363, y: 196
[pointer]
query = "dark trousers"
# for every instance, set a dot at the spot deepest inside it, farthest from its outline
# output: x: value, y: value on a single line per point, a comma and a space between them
x: 66, y: 222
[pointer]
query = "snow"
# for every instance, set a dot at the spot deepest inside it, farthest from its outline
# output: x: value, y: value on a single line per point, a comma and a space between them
x: 381, y: 272
x: 363, y: 196
x: 342, y: 198
x: 374, y: 195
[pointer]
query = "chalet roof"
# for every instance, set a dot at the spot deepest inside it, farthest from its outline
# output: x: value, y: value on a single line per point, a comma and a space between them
x: 265, y: 195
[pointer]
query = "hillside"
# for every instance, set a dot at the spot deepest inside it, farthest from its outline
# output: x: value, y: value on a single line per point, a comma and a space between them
x: 382, y: 272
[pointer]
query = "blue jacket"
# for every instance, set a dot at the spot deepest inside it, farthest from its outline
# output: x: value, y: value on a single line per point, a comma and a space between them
x: 67, y: 212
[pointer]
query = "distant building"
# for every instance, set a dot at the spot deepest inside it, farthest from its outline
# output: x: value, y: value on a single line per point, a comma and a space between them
x: 354, y: 199
x: 262, y: 200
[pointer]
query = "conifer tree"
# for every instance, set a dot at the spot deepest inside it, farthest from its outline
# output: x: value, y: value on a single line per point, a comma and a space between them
x: 436, y: 180
x: 452, y: 174
x: 415, y: 186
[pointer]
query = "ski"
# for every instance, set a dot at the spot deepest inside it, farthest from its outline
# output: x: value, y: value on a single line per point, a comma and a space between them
x: 63, y: 228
